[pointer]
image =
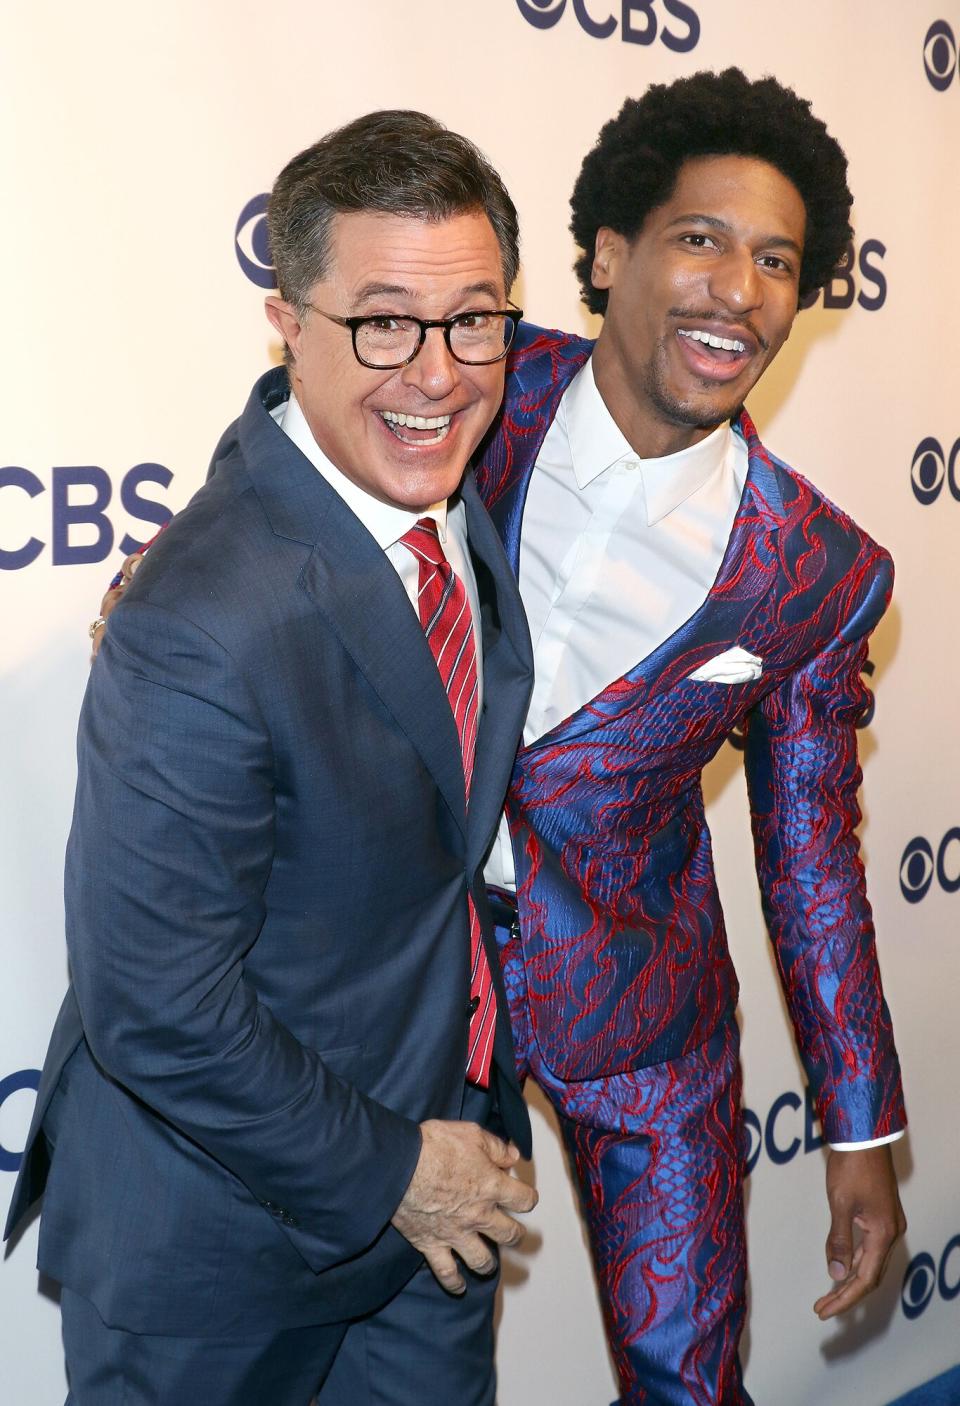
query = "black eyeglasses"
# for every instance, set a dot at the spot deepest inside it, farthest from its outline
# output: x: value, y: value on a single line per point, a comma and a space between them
x: 475, y: 338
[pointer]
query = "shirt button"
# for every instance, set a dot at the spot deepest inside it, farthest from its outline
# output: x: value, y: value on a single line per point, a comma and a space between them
x: 473, y: 1005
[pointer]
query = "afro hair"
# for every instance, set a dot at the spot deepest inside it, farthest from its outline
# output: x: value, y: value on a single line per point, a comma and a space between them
x: 634, y: 165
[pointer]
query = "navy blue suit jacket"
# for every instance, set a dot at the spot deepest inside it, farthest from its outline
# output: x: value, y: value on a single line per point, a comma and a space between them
x: 266, y: 915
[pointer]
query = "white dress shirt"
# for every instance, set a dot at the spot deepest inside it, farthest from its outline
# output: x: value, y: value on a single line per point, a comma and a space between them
x: 616, y: 553
x: 387, y: 524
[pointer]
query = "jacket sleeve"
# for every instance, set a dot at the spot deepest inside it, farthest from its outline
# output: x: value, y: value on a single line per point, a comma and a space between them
x: 803, y: 776
x: 168, y: 859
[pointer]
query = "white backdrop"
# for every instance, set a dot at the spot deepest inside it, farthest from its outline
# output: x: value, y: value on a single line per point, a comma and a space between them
x: 132, y: 138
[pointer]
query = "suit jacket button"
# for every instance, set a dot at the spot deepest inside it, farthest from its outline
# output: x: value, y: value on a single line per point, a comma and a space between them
x: 515, y: 928
x: 287, y: 1219
x: 473, y: 1005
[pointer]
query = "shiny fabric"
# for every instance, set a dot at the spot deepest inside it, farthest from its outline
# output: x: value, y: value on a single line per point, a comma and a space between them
x: 623, y: 936
x: 618, y: 976
x: 658, y: 1156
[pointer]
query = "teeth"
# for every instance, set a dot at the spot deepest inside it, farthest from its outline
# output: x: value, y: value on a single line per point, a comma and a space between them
x: 726, y: 343
x: 417, y: 422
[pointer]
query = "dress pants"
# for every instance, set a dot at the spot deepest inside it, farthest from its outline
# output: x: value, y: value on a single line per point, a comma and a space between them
x: 424, y: 1346
x: 658, y: 1156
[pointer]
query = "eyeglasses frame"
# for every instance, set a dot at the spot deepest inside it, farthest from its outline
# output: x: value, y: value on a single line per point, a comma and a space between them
x: 447, y: 323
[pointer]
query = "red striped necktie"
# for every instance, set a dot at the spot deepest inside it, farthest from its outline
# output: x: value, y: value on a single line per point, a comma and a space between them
x: 447, y: 622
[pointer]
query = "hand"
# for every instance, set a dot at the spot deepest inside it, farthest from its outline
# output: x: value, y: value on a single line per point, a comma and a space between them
x: 863, y: 1197
x: 128, y: 569
x: 460, y: 1192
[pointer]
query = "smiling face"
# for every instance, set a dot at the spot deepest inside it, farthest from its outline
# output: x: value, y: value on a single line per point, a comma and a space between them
x: 700, y: 301
x: 361, y: 418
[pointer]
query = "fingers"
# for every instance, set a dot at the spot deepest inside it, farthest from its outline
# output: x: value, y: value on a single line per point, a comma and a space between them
x: 503, y: 1229
x: 476, y: 1254
x: 444, y: 1269
x: 514, y: 1195
x: 131, y: 565
x: 503, y: 1154
x: 840, y: 1247
x: 128, y: 570
x: 110, y: 600
x: 867, y: 1264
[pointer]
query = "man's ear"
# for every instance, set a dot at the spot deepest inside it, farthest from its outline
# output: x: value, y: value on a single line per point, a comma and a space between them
x: 607, y: 251
x: 284, y: 317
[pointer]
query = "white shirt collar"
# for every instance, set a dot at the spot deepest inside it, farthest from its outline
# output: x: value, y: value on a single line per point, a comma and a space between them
x: 597, y: 444
x: 385, y: 523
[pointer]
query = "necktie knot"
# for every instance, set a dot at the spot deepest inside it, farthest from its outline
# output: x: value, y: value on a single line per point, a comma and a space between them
x: 423, y: 539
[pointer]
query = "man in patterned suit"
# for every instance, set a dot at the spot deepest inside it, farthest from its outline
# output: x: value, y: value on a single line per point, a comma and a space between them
x: 659, y: 546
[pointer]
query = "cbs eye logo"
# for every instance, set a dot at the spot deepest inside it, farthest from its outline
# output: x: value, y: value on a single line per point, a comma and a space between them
x: 19, y: 1082
x: 542, y: 14
x: 638, y: 20
x: 930, y: 468
x: 924, y: 1277
x: 940, y: 55
x: 919, y: 866
x: 251, y: 242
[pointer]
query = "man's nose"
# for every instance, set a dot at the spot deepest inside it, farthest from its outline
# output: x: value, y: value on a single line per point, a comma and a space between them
x: 434, y: 371
x: 736, y: 282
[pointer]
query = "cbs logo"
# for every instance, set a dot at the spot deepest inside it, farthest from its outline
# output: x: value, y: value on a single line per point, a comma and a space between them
x: 919, y: 865
x: 842, y: 290
x: 251, y: 243
x: 931, y: 467
x: 638, y: 21
x: 940, y: 55
x: 93, y: 486
x: 13, y: 1084
x: 924, y: 1277
x: 782, y: 1140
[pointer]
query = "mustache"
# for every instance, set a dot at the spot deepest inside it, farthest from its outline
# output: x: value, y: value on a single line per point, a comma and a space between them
x: 699, y: 315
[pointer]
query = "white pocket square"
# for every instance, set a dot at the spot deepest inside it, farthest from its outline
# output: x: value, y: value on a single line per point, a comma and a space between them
x: 734, y: 665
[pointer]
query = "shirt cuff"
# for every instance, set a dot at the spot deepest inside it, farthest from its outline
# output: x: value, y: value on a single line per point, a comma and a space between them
x: 874, y: 1142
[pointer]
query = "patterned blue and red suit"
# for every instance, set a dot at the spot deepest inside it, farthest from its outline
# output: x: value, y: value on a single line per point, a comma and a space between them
x: 621, y: 987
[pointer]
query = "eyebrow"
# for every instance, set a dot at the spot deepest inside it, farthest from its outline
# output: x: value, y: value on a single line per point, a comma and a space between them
x: 370, y: 291
x: 772, y: 241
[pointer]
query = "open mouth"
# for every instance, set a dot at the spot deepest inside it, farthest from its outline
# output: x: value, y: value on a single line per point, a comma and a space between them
x: 713, y: 356
x: 416, y: 429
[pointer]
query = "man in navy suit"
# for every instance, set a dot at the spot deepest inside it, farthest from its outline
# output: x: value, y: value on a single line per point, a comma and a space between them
x: 281, y: 1094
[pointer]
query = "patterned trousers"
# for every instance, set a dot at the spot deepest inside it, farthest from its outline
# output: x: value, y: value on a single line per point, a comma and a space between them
x: 658, y: 1157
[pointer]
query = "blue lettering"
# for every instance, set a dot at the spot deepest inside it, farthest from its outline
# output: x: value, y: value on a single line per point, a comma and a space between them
x: 67, y: 514
x: 600, y: 30
x: 687, y: 16
x: 873, y: 274
x: 781, y: 1155
x: 14, y: 477
x: 144, y: 509
x: 648, y: 33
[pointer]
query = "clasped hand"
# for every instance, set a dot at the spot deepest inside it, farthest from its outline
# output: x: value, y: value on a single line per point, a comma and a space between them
x: 458, y: 1200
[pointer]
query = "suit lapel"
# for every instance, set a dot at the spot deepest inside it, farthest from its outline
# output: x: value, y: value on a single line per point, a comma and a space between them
x: 735, y: 611
x: 507, y: 676
x: 352, y: 584
x: 540, y: 369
